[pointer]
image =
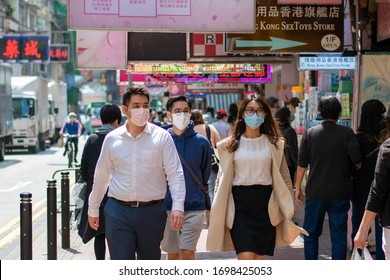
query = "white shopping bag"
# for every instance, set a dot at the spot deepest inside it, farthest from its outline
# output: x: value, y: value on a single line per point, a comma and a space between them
x: 365, y: 256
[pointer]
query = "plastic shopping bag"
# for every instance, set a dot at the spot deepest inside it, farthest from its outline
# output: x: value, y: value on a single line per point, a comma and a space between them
x: 79, y: 193
x: 364, y: 256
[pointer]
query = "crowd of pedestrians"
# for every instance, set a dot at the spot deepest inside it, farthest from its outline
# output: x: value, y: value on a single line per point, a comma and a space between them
x: 148, y: 181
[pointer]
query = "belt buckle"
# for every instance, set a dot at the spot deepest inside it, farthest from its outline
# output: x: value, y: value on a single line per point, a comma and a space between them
x: 135, y: 205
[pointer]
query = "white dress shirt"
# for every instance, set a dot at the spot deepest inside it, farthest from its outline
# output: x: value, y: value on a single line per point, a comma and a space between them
x: 138, y: 168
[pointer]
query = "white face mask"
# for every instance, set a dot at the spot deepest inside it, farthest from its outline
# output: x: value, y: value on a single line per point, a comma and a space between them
x: 139, y: 116
x: 181, y: 121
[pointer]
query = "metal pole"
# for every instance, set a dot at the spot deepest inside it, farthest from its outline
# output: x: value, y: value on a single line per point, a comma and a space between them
x: 25, y: 226
x: 65, y: 216
x: 51, y: 219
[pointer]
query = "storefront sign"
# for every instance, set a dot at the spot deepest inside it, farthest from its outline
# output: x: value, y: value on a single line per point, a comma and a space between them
x: 292, y: 28
x: 163, y: 15
x: 310, y: 2
x: 195, y: 68
x: 24, y: 49
x: 59, y: 53
x: 326, y: 63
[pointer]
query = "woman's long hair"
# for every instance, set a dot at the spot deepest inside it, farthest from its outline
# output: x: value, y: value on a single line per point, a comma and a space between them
x: 269, y: 127
x: 372, y: 121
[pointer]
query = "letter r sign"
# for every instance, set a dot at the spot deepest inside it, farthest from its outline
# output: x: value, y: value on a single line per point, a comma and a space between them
x: 209, y: 39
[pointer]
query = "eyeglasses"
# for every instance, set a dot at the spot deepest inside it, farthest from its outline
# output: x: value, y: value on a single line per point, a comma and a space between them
x: 251, y: 111
x: 178, y: 112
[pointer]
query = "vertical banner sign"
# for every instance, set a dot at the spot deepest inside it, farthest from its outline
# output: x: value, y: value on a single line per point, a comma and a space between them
x: 24, y: 49
x: 59, y: 53
x: 292, y: 28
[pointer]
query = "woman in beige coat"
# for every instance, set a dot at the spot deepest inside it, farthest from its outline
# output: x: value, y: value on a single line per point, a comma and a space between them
x: 253, y: 208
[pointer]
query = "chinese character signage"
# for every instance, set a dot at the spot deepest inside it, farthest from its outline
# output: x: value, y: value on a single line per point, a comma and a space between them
x: 194, y: 68
x: 292, y: 28
x: 326, y: 63
x: 163, y: 15
x: 24, y: 49
x: 59, y: 53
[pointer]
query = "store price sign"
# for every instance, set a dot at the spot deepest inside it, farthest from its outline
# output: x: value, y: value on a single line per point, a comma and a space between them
x: 24, y: 49
x: 292, y: 28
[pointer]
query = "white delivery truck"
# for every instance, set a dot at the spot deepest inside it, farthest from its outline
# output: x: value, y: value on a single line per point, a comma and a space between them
x: 6, y: 121
x: 31, y: 114
x: 58, y: 108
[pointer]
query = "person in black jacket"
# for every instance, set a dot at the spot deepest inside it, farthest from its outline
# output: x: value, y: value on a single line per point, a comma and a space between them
x: 370, y: 134
x: 110, y: 116
x: 329, y: 149
x: 283, y: 116
x: 378, y: 202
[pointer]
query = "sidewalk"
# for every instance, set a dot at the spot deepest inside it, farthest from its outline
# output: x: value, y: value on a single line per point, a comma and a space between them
x: 80, y: 251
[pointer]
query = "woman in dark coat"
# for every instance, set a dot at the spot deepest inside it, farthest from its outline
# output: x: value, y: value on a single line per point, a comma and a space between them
x: 110, y: 116
x: 283, y: 116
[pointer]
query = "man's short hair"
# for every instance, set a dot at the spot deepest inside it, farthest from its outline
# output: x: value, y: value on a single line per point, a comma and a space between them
x: 329, y: 108
x: 295, y: 101
x: 172, y: 100
x: 272, y: 101
x: 130, y: 91
x: 110, y: 113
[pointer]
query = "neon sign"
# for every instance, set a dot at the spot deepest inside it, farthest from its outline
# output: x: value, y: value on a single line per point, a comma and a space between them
x: 59, y: 53
x: 24, y: 49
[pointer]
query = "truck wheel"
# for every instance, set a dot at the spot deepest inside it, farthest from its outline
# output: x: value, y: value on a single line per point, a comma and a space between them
x: 2, y: 150
x: 33, y: 149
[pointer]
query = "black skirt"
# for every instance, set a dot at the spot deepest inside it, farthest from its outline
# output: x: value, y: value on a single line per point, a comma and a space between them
x: 252, y: 230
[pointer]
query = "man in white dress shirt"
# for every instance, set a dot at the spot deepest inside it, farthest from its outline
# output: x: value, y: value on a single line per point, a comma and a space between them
x: 136, y: 161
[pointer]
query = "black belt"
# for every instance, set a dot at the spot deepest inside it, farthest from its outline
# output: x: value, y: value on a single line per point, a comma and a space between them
x: 138, y: 203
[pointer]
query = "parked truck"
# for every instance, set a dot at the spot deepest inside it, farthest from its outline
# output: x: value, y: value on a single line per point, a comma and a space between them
x: 6, y: 120
x: 30, y: 113
x: 58, y: 108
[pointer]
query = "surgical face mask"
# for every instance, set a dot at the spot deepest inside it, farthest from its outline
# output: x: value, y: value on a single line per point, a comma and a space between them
x: 254, y: 121
x: 139, y: 116
x: 181, y: 121
x: 72, y: 119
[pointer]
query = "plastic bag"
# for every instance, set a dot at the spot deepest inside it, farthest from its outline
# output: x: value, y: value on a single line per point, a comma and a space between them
x: 364, y: 256
x: 79, y: 193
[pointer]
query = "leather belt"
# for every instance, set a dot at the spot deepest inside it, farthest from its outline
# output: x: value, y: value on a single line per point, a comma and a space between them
x: 138, y: 203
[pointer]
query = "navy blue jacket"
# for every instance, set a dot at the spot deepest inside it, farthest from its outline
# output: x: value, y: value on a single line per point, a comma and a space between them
x: 196, y: 150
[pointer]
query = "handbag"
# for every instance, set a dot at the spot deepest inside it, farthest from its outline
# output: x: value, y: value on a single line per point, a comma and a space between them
x: 364, y: 256
x: 203, y: 187
x: 214, y: 159
x: 79, y: 194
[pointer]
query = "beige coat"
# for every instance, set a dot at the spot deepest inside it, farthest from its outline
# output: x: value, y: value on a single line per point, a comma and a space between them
x: 280, y: 207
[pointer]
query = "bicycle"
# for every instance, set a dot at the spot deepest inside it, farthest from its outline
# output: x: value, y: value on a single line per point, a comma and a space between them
x: 70, y: 148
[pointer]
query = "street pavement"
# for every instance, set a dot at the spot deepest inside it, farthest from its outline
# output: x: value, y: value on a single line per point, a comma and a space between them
x: 80, y: 251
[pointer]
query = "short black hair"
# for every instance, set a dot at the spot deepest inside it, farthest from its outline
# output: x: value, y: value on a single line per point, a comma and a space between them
x: 295, y: 101
x: 172, y: 100
x: 110, y: 113
x: 329, y: 107
x: 282, y: 115
x: 130, y: 91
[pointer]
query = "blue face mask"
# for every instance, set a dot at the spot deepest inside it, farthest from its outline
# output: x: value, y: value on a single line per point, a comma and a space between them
x: 292, y: 117
x: 254, y: 121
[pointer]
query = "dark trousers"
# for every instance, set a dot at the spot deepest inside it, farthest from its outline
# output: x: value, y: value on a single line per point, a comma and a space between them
x: 134, y: 231
x: 75, y: 145
x: 315, y: 211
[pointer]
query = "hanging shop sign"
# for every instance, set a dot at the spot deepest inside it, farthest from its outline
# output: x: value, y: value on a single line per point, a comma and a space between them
x: 195, y: 68
x: 327, y: 63
x: 59, y: 53
x: 163, y: 15
x: 253, y: 77
x: 24, y: 49
x: 292, y: 28
x: 310, y: 2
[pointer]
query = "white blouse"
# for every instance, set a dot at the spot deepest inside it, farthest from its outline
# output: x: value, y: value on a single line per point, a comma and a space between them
x: 252, y: 162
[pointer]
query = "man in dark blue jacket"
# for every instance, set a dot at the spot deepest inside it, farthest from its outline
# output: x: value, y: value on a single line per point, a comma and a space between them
x: 196, y: 151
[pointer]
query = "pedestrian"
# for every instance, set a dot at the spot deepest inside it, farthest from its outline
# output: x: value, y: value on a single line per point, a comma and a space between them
x: 195, y: 151
x: 233, y: 110
x: 253, y: 206
x: 273, y: 103
x: 73, y: 127
x: 370, y: 134
x: 200, y: 127
x: 283, y: 117
x: 110, y: 116
x: 378, y: 202
x: 137, y: 160
x: 209, y: 117
x: 221, y: 124
x: 328, y: 149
